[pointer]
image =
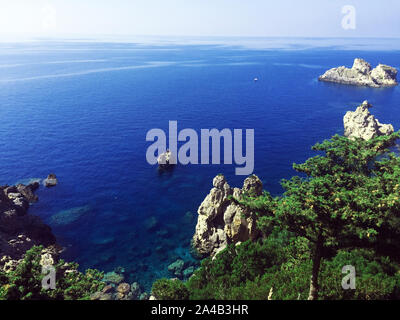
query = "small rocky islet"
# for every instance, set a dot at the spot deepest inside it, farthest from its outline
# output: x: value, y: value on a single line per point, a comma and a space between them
x: 362, y: 74
x: 362, y: 124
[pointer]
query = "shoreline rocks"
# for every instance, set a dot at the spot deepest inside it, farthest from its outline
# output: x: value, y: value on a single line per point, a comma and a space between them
x: 362, y: 74
x: 362, y: 124
x: 117, y: 289
x: 19, y: 231
x: 221, y: 220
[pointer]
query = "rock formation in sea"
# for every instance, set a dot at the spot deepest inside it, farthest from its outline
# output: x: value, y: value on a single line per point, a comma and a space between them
x: 221, y: 220
x: 362, y: 74
x: 51, y: 180
x: 19, y: 230
x: 362, y: 124
x: 166, y: 160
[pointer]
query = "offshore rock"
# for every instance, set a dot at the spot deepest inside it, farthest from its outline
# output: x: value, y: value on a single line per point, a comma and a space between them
x: 221, y: 220
x: 166, y: 160
x: 50, y: 181
x: 362, y: 74
x: 362, y: 124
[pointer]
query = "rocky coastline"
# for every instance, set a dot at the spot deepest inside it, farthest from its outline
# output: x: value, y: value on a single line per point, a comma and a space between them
x: 19, y: 230
x: 362, y: 74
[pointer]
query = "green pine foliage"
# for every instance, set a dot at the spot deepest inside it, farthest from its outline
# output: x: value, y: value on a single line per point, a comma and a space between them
x: 170, y: 289
x: 343, y: 209
x: 25, y: 282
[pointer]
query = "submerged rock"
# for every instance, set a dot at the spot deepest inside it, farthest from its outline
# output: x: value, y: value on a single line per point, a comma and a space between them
x: 362, y: 124
x: 113, y: 278
x: 151, y: 224
x: 362, y: 74
x: 50, y: 181
x: 66, y: 217
x: 136, y: 291
x: 176, y: 267
x: 101, y: 296
x: 188, y: 272
x: 144, y: 296
x: 221, y: 220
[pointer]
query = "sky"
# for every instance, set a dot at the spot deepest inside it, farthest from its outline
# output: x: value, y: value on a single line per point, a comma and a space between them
x: 250, y: 18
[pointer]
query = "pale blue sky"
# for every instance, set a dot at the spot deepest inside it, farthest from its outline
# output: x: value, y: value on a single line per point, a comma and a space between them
x: 310, y: 18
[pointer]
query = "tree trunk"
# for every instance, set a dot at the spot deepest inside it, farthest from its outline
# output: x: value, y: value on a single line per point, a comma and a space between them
x: 314, y: 287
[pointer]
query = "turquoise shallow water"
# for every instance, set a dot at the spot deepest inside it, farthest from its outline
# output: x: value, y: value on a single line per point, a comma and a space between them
x: 82, y: 111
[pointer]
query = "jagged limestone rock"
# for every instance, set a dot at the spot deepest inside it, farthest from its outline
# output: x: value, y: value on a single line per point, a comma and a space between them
x: 362, y: 124
x: 166, y: 160
x: 362, y: 74
x: 221, y: 220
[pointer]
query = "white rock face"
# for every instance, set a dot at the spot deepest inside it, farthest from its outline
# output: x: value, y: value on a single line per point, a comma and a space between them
x: 166, y: 159
x: 362, y: 124
x: 361, y: 74
x: 221, y: 221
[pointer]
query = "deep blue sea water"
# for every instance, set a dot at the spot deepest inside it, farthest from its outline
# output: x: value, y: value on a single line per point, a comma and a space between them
x: 82, y: 110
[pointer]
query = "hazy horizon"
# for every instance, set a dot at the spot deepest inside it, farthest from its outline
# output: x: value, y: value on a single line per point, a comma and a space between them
x: 208, y: 18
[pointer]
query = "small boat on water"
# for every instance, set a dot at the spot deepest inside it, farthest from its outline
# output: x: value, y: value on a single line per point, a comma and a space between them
x: 255, y: 79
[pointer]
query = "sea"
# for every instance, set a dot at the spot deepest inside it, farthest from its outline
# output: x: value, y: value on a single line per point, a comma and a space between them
x: 81, y: 109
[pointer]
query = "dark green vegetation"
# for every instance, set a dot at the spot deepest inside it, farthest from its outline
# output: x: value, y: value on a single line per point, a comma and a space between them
x: 25, y: 282
x: 166, y: 289
x: 343, y: 210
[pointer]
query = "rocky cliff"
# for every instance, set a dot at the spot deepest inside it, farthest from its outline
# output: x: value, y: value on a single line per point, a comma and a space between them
x: 362, y: 74
x: 362, y: 124
x: 19, y: 231
x: 221, y: 220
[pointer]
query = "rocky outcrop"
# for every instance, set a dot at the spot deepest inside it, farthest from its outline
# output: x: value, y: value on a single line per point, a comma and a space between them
x: 221, y: 220
x: 19, y: 231
x: 50, y: 181
x: 362, y: 74
x: 166, y: 160
x: 362, y: 124
x: 116, y: 289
